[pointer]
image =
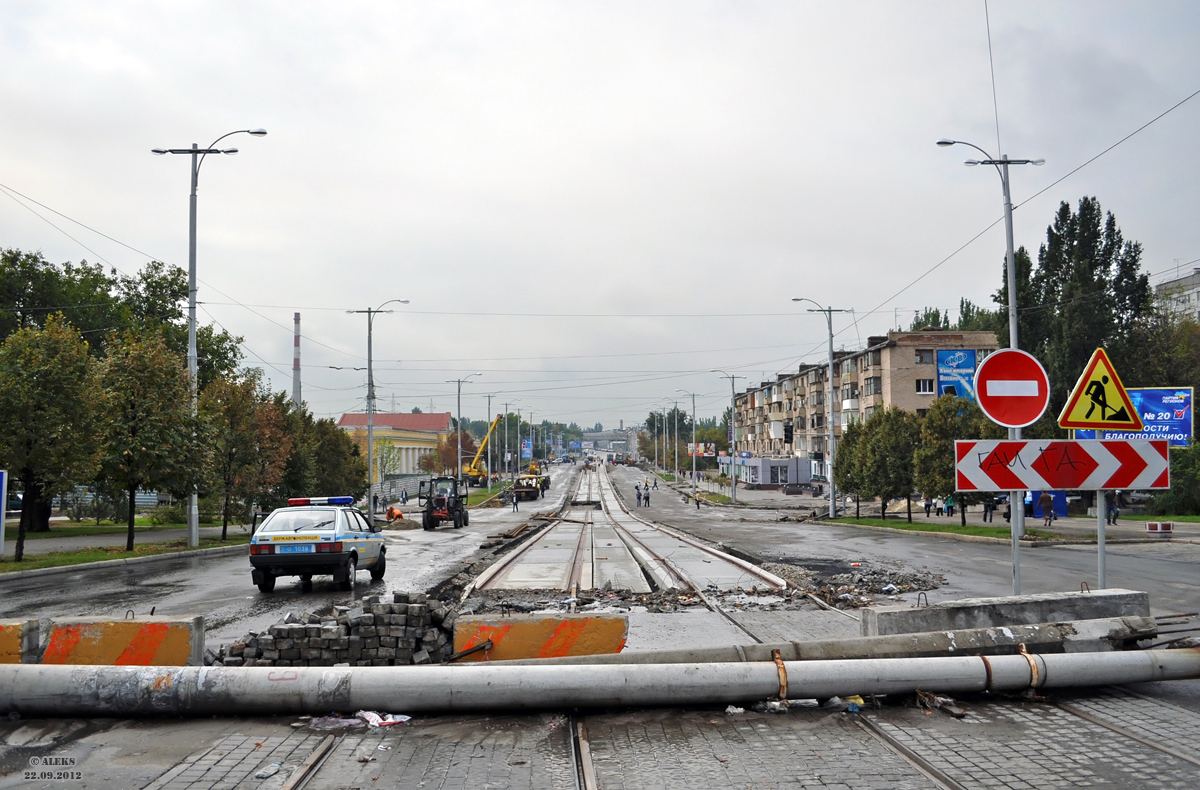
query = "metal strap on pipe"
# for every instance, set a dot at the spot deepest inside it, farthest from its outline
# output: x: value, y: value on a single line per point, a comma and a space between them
x: 782, y: 674
x: 1033, y: 669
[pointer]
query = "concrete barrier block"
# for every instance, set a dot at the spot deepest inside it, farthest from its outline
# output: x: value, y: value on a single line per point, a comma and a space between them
x: 1006, y: 610
x: 18, y: 641
x: 540, y: 636
x: 145, y: 641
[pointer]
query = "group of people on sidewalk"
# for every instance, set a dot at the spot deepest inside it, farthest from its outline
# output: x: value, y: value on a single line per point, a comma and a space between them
x: 643, y: 492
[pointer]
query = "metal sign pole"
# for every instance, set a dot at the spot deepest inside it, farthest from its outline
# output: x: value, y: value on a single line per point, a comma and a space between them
x: 1101, y: 523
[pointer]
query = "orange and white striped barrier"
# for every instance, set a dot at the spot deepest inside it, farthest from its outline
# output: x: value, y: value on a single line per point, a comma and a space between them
x: 146, y: 641
x: 540, y: 636
x: 18, y: 638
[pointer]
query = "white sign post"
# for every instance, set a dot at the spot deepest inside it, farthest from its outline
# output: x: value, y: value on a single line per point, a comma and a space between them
x: 4, y: 511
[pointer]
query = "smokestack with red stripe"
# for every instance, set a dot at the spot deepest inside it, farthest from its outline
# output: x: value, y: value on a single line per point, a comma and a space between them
x: 296, y: 363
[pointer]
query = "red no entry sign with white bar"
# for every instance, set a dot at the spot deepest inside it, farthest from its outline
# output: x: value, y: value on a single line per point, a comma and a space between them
x: 1042, y: 464
x: 1012, y: 388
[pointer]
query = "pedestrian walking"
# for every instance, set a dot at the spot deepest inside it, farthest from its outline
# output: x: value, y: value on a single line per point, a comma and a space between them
x: 928, y: 505
x: 639, y: 495
x: 950, y: 505
x: 515, y: 499
x: 646, y: 497
x: 655, y: 484
x: 989, y: 509
x: 1046, y: 503
x: 1110, y: 507
x: 404, y: 496
x: 697, y: 502
x: 939, y: 507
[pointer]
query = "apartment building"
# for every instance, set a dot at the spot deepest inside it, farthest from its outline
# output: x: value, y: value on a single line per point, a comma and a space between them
x: 1181, y: 295
x: 787, y: 417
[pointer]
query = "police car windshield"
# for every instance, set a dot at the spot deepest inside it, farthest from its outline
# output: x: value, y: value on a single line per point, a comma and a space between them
x: 295, y: 520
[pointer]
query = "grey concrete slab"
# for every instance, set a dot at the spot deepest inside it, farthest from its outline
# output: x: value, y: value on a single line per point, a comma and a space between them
x: 797, y: 626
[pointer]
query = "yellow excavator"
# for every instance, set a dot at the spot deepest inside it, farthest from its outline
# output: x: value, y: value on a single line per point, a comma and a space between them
x: 474, y: 473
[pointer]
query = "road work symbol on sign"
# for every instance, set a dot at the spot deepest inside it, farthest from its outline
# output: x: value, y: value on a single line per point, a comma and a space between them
x: 1099, y: 399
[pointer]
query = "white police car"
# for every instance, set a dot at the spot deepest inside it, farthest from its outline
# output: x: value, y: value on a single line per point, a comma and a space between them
x: 321, y: 535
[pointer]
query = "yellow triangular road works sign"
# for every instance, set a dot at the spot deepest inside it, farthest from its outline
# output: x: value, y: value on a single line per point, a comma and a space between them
x: 1099, y: 400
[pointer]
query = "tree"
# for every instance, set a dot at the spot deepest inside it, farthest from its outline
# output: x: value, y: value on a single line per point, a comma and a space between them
x: 1085, y: 292
x: 847, y: 467
x: 441, y: 460
x: 47, y: 417
x: 1183, y: 497
x: 949, y: 418
x: 889, y: 438
x: 249, y: 444
x: 338, y: 465
x: 150, y: 438
x: 32, y: 290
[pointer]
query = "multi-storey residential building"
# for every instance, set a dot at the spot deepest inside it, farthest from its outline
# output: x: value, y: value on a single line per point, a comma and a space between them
x: 1181, y: 295
x: 786, y: 418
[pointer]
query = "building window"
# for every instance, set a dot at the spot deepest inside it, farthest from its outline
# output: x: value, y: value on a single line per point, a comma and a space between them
x: 924, y: 356
x: 922, y: 412
x: 850, y: 390
x: 924, y: 386
x: 873, y: 386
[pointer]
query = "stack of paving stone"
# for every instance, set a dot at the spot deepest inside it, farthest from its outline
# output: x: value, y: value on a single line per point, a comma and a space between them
x: 410, y: 629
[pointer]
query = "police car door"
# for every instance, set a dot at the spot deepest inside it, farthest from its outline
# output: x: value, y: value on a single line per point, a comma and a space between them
x: 368, y: 549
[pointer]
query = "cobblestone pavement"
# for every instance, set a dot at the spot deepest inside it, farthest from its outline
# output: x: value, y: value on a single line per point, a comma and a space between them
x: 1038, y: 745
x: 708, y: 749
x: 534, y: 752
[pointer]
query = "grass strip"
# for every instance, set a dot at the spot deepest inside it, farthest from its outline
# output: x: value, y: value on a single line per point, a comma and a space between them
x: 69, y: 529
x: 55, y: 559
x: 720, y: 499
x: 954, y: 529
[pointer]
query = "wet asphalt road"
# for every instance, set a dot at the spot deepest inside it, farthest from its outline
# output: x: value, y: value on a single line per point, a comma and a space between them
x: 219, y: 588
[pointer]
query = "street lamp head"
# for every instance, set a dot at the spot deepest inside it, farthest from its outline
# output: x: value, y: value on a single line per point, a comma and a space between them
x: 158, y: 151
x: 351, y: 312
x: 1037, y: 162
x: 402, y: 301
x: 230, y: 151
x: 257, y: 132
x: 971, y: 162
x: 944, y: 143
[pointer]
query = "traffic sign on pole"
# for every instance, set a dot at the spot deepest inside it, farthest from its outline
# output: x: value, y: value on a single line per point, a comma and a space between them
x: 1099, y: 399
x: 1041, y: 465
x: 1012, y: 388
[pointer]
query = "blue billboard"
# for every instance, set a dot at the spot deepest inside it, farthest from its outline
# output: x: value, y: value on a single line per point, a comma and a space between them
x: 526, y: 449
x: 1166, y: 414
x: 576, y: 445
x: 956, y: 372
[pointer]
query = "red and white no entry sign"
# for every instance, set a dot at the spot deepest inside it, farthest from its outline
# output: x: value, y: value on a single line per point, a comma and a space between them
x: 1012, y: 388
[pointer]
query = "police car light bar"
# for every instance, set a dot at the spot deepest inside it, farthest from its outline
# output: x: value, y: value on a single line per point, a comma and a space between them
x: 321, y: 500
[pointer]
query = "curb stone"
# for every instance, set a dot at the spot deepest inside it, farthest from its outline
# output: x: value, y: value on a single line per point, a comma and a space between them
x: 1034, y: 544
x: 216, y: 550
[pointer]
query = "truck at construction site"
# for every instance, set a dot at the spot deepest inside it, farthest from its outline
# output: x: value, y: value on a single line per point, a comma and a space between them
x: 528, y: 487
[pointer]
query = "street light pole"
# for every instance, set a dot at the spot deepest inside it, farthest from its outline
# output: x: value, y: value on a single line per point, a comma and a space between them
x: 828, y: 311
x: 732, y: 432
x: 1016, y: 499
x: 371, y: 400
x: 693, y: 453
x: 458, y: 420
x: 197, y: 153
x: 488, y: 439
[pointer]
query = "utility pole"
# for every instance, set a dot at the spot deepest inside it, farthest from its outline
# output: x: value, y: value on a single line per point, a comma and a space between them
x: 732, y: 432
x: 488, y: 439
x: 458, y: 463
x: 371, y: 313
x: 831, y: 437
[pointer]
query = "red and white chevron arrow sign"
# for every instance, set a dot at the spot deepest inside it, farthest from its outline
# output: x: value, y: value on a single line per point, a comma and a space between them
x: 1041, y: 464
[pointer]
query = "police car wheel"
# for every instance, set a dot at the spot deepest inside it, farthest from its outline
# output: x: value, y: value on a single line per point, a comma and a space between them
x: 351, y: 569
x: 380, y: 567
x: 267, y: 584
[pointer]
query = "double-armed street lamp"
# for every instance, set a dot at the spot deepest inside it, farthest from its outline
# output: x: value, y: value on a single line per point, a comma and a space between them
x: 693, y: 453
x: 732, y: 431
x: 1016, y: 498
x: 197, y: 153
x: 370, y: 312
x: 829, y: 441
x: 458, y: 419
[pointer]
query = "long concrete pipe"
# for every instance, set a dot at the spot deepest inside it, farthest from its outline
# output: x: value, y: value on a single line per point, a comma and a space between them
x: 47, y: 690
x: 1079, y: 636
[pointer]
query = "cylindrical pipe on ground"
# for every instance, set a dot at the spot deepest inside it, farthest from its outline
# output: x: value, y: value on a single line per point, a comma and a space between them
x: 1078, y: 636
x: 56, y: 690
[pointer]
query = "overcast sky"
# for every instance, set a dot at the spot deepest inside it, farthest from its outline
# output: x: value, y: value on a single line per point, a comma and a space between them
x: 591, y: 203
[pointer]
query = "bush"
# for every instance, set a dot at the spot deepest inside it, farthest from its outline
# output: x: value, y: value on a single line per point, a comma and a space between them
x: 167, y: 514
x: 1183, y: 497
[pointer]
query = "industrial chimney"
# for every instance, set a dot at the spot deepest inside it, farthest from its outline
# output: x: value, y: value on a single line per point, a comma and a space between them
x: 296, y: 363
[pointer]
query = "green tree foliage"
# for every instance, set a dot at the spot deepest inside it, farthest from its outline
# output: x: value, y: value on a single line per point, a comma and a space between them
x: 150, y: 439
x: 33, y: 289
x: 931, y: 318
x: 949, y: 418
x: 323, y: 460
x: 847, y: 468
x: 1183, y: 497
x: 249, y: 444
x: 885, y: 453
x: 1086, y: 292
x: 47, y: 417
